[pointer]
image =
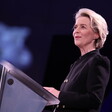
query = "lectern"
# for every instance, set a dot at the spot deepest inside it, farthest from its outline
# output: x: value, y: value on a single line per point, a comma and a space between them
x: 20, y: 93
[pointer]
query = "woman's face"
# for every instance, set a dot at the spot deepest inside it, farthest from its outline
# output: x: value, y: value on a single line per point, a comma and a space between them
x: 83, y: 34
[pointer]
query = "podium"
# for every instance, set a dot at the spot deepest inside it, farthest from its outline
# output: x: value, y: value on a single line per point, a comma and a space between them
x: 20, y: 93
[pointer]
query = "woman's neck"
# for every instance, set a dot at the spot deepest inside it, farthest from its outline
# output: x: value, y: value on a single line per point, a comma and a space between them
x: 84, y: 51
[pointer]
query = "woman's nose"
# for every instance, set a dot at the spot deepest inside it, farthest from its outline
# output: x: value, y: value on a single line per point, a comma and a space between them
x: 73, y: 33
x: 76, y: 30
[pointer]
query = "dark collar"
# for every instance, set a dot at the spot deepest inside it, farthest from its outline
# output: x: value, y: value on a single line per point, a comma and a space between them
x: 90, y: 53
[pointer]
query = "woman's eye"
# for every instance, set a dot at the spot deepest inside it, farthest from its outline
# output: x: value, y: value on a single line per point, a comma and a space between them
x: 83, y: 27
x: 75, y: 27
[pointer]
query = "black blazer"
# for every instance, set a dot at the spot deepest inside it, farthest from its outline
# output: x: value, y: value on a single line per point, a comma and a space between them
x: 84, y: 88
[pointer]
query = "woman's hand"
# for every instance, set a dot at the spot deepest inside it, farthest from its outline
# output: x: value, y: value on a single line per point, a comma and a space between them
x: 52, y: 90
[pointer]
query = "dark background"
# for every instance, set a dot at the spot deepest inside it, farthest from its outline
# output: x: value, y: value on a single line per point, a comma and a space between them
x: 51, y: 41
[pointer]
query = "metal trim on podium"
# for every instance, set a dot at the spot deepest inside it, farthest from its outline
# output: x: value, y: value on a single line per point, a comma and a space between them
x: 20, y: 93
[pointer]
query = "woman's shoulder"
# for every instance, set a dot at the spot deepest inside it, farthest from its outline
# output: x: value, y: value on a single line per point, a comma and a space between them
x: 101, y: 59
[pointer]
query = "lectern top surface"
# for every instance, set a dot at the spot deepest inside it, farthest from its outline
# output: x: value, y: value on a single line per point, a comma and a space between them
x: 29, y: 82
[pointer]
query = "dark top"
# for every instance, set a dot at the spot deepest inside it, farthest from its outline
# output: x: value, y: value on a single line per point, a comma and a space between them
x: 84, y: 88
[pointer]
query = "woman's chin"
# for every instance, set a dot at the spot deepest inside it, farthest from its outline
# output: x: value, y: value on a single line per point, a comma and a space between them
x: 77, y: 44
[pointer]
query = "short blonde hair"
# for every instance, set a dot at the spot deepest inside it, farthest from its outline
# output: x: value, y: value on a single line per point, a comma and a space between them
x: 98, y: 24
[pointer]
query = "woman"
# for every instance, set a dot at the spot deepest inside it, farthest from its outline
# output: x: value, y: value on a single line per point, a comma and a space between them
x: 84, y: 88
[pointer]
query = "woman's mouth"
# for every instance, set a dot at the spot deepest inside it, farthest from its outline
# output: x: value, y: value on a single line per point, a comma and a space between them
x: 77, y: 36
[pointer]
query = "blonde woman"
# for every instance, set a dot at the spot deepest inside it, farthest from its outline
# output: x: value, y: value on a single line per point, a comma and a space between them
x: 84, y: 87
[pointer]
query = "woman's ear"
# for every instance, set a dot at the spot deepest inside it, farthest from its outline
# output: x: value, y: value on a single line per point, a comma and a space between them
x: 96, y: 36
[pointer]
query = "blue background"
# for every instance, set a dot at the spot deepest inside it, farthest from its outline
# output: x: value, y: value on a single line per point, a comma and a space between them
x: 50, y: 41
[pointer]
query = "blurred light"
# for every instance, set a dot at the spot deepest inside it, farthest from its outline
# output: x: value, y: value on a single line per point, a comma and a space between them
x: 12, y: 45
